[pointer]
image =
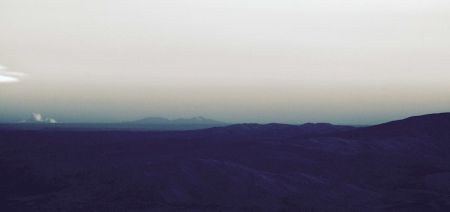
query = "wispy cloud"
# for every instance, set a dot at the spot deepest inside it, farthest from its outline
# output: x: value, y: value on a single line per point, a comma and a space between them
x: 7, y: 76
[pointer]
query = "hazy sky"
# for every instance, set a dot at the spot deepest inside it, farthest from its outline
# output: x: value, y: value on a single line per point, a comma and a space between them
x: 352, y: 61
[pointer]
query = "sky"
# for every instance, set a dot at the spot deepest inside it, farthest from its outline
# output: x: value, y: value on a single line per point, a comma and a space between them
x: 292, y: 61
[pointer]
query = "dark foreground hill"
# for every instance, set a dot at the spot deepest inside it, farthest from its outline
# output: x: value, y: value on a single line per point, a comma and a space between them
x: 398, y: 166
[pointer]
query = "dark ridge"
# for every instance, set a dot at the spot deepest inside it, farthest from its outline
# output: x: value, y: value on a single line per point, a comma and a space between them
x: 277, y: 130
x: 432, y: 125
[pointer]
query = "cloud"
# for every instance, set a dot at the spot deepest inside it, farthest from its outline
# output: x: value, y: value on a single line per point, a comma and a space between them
x: 9, y: 76
x: 39, y: 118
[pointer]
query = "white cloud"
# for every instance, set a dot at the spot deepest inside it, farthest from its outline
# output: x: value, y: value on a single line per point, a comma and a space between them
x: 39, y: 118
x: 7, y: 79
x: 9, y: 76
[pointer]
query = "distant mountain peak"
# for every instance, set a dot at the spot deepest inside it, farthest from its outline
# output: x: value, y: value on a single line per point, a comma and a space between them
x: 199, y: 118
x: 153, y: 119
x: 193, y: 120
x: 39, y: 118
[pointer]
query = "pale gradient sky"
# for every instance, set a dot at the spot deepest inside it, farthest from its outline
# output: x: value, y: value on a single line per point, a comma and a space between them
x: 351, y: 62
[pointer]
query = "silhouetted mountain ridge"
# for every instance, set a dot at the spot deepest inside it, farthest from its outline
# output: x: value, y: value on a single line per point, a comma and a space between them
x: 274, y: 130
x: 432, y: 125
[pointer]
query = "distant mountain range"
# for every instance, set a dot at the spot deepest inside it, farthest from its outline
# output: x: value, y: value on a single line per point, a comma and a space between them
x: 411, y: 126
x: 190, y: 121
x: 38, y: 122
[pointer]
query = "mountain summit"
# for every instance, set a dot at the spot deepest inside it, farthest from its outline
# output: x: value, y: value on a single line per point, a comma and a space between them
x: 199, y: 120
